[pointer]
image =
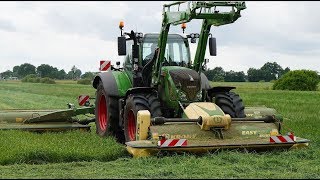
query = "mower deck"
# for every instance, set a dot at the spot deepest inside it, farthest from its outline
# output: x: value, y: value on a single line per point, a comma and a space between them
x: 188, y: 135
x: 145, y: 148
x: 44, y: 120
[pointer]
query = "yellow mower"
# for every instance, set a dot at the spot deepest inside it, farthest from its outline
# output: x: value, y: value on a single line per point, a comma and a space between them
x: 206, y: 128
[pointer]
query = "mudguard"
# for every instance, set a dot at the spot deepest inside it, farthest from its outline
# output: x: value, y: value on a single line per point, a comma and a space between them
x: 108, y: 81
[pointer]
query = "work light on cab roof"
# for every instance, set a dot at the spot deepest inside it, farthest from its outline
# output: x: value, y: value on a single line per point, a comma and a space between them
x: 183, y: 26
x: 121, y: 24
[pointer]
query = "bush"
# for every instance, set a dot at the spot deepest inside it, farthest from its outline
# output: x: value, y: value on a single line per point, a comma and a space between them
x: 84, y: 81
x: 29, y: 78
x: 298, y: 80
x: 47, y: 80
x: 34, y: 79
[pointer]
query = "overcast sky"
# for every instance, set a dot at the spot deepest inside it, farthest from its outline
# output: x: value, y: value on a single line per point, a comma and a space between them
x: 63, y: 34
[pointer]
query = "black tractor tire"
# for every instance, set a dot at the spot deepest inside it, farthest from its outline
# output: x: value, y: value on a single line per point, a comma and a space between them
x: 154, y: 105
x: 230, y: 103
x: 135, y: 103
x: 106, y: 112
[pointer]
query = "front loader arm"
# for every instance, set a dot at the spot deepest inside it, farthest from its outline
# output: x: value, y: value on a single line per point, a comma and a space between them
x: 195, y: 10
x: 216, y: 19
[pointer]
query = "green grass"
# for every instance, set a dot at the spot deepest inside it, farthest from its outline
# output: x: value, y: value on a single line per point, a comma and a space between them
x: 85, y: 155
x: 228, y: 164
x: 33, y: 148
x: 41, y: 96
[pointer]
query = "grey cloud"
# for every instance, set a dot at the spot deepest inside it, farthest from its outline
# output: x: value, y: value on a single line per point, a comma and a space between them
x: 275, y: 27
x: 88, y: 22
x: 77, y: 22
x: 7, y: 25
x: 248, y: 29
x: 141, y: 15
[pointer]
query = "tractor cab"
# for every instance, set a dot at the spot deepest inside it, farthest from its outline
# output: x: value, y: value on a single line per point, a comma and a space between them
x: 177, y: 51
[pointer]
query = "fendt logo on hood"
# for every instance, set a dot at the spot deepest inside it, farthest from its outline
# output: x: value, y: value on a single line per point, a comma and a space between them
x: 191, y: 78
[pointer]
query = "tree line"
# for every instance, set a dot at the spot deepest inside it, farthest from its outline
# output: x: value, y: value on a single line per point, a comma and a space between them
x: 268, y: 72
x: 45, y: 70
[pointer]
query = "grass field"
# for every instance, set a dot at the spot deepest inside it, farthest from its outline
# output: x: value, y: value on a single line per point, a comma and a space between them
x: 85, y: 155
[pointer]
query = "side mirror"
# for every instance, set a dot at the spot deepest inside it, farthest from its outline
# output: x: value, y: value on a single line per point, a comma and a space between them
x: 135, y: 51
x: 212, y: 46
x: 122, y: 48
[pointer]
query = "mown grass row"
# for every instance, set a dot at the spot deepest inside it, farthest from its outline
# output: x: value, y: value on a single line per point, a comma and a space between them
x: 228, y: 164
x: 33, y: 148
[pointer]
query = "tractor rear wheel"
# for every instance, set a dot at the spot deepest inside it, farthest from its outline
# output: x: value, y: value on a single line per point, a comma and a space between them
x: 106, y: 113
x: 135, y: 103
x: 230, y: 103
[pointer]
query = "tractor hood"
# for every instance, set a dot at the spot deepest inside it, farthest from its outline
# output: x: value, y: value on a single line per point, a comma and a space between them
x: 187, y: 82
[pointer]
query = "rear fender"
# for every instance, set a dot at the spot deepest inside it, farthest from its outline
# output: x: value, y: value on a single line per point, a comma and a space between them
x: 116, y: 83
x: 108, y: 81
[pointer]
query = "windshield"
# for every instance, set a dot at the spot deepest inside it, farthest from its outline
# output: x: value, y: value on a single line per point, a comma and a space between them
x: 176, y: 53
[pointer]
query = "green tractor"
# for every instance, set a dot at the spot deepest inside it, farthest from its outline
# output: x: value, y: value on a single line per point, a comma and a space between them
x: 159, y: 77
x: 163, y: 80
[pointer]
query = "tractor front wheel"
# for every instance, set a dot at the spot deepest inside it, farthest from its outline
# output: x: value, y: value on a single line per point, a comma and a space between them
x: 230, y: 103
x: 135, y: 103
